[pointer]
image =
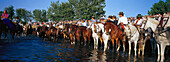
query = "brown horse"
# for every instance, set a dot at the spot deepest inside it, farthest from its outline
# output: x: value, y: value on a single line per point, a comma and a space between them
x: 73, y: 30
x: 66, y: 31
x: 115, y: 33
x: 82, y: 31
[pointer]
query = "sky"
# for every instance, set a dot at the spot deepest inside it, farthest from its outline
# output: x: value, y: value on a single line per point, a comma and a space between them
x: 130, y: 7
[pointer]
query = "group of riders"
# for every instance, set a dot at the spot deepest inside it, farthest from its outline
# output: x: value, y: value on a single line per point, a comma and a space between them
x: 81, y: 30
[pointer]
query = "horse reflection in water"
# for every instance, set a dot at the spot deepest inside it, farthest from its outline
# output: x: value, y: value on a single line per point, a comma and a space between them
x: 95, y: 56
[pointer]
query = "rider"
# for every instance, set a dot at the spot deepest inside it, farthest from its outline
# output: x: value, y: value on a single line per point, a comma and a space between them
x: 84, y: 23
x: 138, y: 22
x: 16, y: 20
x: 122, y: 21
x: 93, y: 19
x: 4, y: 17
x: 79, y: 23
x: 114, y: 20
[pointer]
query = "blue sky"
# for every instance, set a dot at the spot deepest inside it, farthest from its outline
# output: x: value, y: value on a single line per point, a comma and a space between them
x: 113, y: 7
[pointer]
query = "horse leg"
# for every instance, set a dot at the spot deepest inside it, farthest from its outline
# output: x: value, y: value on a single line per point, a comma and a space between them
x: 89, y: 38
x: 5, y: 34
x: 105, y: 45
x: 101, y: 40
x: 118, y: 44
x: 113, y: 43
x: 129, y: 47
x: 96, y: 43
x: 135, y: 47
x: 78, y: 39
x: 158, y: 59
x: 12, y: 33
x: 73, y: 39
x: 124, y: 39
x: 85, y: 40
x: 123, y: 46
x: 163, y: 45
x: 143, y: 49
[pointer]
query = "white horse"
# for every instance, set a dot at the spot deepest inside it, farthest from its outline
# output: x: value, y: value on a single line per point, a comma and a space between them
x: 133, y: 36
x: 162, y: 39
x: 97, y: 30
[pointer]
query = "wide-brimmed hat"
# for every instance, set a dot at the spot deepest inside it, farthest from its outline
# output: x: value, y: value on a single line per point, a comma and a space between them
x: 102, y: 18
x: 139, y: 16
x: 121, y: 13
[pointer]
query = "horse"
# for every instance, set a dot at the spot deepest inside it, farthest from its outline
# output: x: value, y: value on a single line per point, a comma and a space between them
x: 114, y: 32
x: 66, y: 31
x: 6, y: 28
x: 161, y: 36
x: 95, y: 31
x: 51, y: 33
x: 3, y: 28
x: 29, y: 30
x: 19, y: 30
x: 98, y: 32
x: 72, y: 35
x: 133, y: 36
x: 85, y: 33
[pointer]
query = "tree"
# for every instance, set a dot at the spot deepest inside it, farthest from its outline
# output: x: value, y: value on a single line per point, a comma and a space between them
x: 44, y: 15
x: 168, y: 4
x: 10, y: 11
x: 1, y: 12
x: 158, y: 8
x: 75, y: 9
x: 23, y: 14
x: 40, y: 15
x: 87, y: 8
x: 37, y: 15
x: 54, y: 12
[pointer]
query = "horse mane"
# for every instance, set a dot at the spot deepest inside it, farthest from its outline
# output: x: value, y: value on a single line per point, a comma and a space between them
x: 108, y: 23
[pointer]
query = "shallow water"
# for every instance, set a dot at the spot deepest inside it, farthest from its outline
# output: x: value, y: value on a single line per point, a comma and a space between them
x: 36, y: 50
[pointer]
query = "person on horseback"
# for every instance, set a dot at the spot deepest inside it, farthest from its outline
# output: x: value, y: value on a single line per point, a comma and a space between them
x: 4, y: 17
x: 79, y: 23
x: 16, y: 20
x: 93, y: 19
x: 115, y: 21
x: 122, y: 21
x: 138, y: 22
x: 84, y: 23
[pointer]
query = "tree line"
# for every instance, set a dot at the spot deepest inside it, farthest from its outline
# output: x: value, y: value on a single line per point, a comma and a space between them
x: 160, y: 8
x: 74, y: 9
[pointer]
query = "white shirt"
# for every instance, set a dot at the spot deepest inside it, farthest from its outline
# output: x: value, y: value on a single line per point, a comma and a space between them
x: 53, y: 25
x: 123, y: 19
x: 21, y: 24
x: 79, y: 23
x: 83, y: 24
x: 48, y: 26
x: 139, y: 22
x: 29, y: 23
x: 61, y: 26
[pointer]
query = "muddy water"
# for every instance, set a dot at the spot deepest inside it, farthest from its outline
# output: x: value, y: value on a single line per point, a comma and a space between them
x: 36, y: 50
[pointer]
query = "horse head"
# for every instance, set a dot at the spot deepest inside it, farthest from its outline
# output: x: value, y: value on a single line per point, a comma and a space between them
x: 107, y: 28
